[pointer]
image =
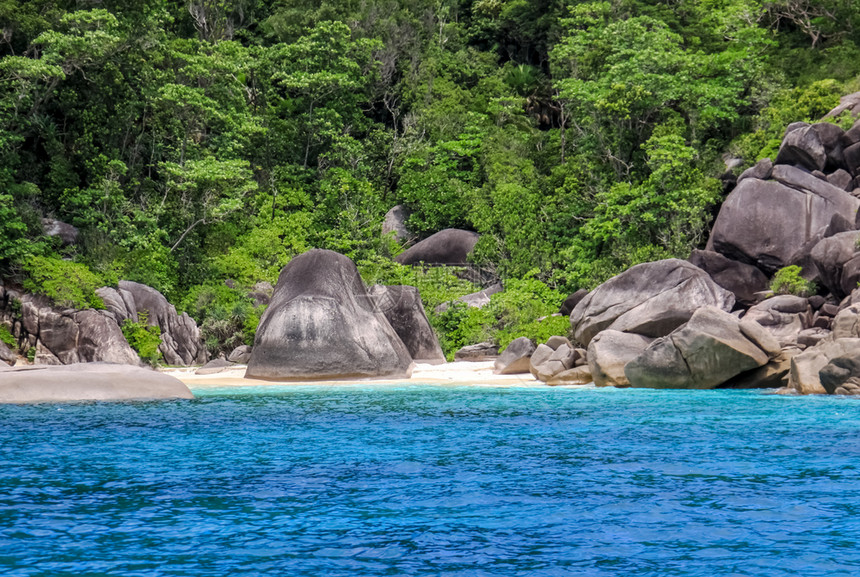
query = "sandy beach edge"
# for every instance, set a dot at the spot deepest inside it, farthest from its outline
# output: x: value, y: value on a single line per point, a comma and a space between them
x: 456, y: 373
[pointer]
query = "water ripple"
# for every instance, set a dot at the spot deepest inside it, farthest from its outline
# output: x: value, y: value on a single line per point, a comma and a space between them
x: 420, y: 480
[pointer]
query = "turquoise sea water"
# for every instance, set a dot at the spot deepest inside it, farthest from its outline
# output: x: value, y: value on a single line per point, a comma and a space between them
x: 425, y: 480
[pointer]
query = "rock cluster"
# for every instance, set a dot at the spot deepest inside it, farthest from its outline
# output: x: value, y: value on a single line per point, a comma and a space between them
x: 707, y: 323
x: 323, y: 323
x: 63, y: 336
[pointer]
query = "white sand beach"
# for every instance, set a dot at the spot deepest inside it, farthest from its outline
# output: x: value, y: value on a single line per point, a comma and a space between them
x: 456, y: 373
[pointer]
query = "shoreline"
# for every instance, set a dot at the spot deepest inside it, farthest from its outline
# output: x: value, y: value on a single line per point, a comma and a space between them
x: 455, y: 373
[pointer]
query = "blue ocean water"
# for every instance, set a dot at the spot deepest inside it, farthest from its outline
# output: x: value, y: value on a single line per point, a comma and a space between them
x: 429, y: 480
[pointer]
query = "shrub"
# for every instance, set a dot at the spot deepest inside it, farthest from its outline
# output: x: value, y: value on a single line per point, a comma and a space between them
x: 7, y: 338
x: 227, y: 318
x: 787, y: 281
x: 66, y: 283
x: 143, y: 338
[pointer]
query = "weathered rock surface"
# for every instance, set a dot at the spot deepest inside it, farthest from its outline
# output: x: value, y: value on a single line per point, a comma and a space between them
x: 651, y: 299
x: 64, y: 231
x: 516, y: 358
x: 765, y: 223
x: 395, y: 224
x: 836, y: 372
x: 404, y: 311
x: 477, y: 353
x: 703, y: 354
x: 548, y: 362
x: 608, y: 354
x: 804, y: 375
x: 783, y: 316
x: 240, y: 355
x: 476, y: 300
x: 88, y: 382
x: 181, y: 343
x: 575, y: 376
x: 830, y: 256
x: 322, y: 324
x: 6, y: 354
x: 450, y: 246
x: 846, y: 325
x: 742, y: 280
x: 63, y: 336
x: 570, y: 302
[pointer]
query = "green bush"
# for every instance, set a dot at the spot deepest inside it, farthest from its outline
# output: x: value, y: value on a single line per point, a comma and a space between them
x: 787, y: 281
x: 7, y: 338
x: 66, y: 283
x: 227, y: 317
x: 143, y: 338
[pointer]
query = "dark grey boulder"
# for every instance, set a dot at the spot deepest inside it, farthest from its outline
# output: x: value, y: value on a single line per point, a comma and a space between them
x: 516, y: 357
x: 765, y: 223
x: 841, y: 179
x: 650, y: 299
x: 67, y: 233
x: 608, y: 354
x: 478, y: 353
x: 395, y: 224
x: 743, y: 280
x: 181, y: 343
x: 570, y: 302
x: 477, y: 300
x: 782, y: 316
x: 214, y: 366
x: 240, y: 355
x: 830, y: 256
x: 760, y: 170
x: 404, y: 311
x: 450, y: 246
x: 6, y: 354
x: 813, y: 147
x: 88, y: 382
x: 322, y: 324
x: 703, y: 354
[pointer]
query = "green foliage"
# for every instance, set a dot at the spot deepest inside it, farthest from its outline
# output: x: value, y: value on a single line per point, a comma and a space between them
x: 7, y: 338
x: 227, y: 318
x: 143, y: 338
x: 66, y: 283
x: 787, y: 281
x: 195, y: 143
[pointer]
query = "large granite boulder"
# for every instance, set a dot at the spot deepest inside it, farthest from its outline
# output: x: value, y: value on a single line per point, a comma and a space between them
x: 703, y: 354
x: 838, y: 371
x: 8, y: 356
x: 215, y: 366
x: 804, y: 377
x: 765, y: 223
x: 404, y: 310
x: 181, y: 343
x: 395, y: 224
x: 571, y: 301
x: 240, y: 355
x: 783, y: 316
x: 60, y: 336
x: 830, y: 256
x: 814, y: 147
x: 608, y: 354
x: 516, y: 357
x: 650, y: 299
x: 67, y: 233
x: 742, y: 280
x: 88, y: 382
x: 323, y: 324
x: 450, y: 246
x: 478, y: 353
x: 477, y: 300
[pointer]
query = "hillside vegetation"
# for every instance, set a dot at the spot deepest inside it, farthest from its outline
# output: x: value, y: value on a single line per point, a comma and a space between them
x: 196, y: 142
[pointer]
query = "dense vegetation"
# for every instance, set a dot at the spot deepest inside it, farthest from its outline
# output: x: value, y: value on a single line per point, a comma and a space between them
x: 195, y: 141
